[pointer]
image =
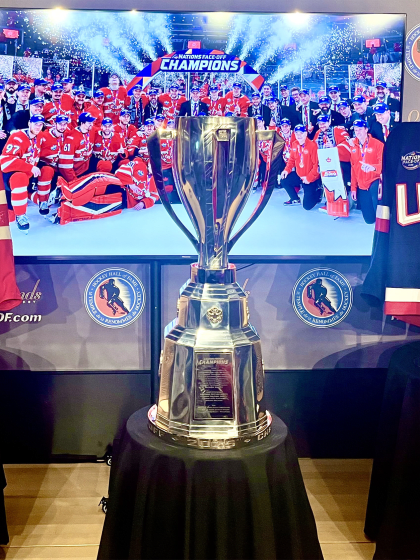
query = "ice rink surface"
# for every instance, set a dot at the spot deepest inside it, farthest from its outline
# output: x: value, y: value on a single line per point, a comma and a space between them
x: 279, y: 231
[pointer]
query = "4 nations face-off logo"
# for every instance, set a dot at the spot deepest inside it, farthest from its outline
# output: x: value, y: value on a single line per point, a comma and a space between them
x: 114, y: 298
x: 412, y: 52
x: 322, y: 297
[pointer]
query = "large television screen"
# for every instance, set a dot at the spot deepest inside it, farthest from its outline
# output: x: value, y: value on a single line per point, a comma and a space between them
x: 321, y: 72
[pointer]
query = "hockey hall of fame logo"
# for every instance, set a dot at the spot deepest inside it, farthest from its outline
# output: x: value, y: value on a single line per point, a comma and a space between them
x: 412, y: 52
x: 114, y: 298
x: 322, y: 297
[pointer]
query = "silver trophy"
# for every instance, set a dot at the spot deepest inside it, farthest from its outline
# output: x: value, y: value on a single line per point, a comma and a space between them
x: 211, y: 392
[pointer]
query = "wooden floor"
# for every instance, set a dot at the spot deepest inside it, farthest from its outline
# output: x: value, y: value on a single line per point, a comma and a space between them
x: 53, y: 511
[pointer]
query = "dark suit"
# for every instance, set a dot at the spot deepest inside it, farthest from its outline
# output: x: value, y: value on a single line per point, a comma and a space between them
x: 287, y: 102
x: 151, y: 112
x: 263, y: 110
x: 185, y: 109
x: 3, y: 120
x: 313, y: 111
x: 19, y: 121
x: 367, y: 116
x: 377, y: 131
x: 393, y: 104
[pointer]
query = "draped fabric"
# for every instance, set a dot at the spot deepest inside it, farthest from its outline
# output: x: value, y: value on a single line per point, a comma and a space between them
x: 172, y: 502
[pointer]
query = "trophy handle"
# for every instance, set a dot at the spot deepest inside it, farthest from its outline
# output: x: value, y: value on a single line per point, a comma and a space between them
x: 153, y: 145
x: 274, y: 166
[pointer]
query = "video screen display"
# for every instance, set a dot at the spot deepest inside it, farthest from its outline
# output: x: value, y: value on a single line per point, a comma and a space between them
x: 81, y: 92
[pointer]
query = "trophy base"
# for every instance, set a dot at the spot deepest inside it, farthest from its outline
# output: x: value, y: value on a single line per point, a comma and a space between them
x: 249, y: 434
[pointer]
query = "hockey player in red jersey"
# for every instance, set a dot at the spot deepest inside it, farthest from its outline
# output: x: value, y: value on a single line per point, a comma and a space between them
x: 51, y: 143
x: 236, y: 102
x: 124, y: 128
x: 160, y: 121
x: 141, y: 192
x: 166, y: 147
x: 333, y: 136
x: 86, y: 195
x: 108, y: 147
x: 171, y: 102
x: 366, y: 169
x: 74, y: 159
x: 68, y: 87
x: 304, y: 158
x: 115, y: 98
x: 77, y: 107
x: 215, y: 102
x: 18, y: 163
x: 137, y: 146
x: 96, y: 108
x: 57, y: 106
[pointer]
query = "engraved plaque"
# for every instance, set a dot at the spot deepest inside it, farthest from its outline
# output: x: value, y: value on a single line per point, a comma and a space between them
x: 213, y: 386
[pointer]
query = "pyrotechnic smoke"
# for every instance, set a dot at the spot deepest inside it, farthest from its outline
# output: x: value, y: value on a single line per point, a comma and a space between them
x: 254, y: 32
x: 278, y: 36
x: 239, y: 26
x: 309, y: 52
x: 107, y: 38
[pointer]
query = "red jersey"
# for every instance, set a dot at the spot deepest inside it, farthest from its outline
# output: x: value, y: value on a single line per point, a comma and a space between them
x: 54, y: 108
x: 288, y: 141
x: 107, y: 148
x: 114, y: 102
x: 371, y: 153
x: 265, y: 149
x: 166, y: 152
x: 51, y: 147
x: 134, y: 175
x: 216, y: 107
x: 127, y: 132
x: 170, y: 106
x: 20, y: 153
x: 77, y: 149
x: 339, y: 138
x: 238, y: 105
x: 305, y: 160
x: 139, y: 142
x: 75, y: 112
x: 97, y: 112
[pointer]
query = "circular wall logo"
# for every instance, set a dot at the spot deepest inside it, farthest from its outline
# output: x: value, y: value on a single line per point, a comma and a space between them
x: 114, y: 298
x: 412, y: 52
x: 322, y: 297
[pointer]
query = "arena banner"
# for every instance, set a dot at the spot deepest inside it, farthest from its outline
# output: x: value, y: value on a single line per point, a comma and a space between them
x: 90, y: 317
x: 198, y: 60
x: 309, y: 316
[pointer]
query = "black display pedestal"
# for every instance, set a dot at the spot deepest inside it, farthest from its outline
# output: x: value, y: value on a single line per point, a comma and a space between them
x: 4, y: 536
x: 171, y: 502
x: 393, y: 511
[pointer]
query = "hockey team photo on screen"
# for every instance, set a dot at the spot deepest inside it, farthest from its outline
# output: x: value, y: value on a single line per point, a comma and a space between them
x: 81, y: 93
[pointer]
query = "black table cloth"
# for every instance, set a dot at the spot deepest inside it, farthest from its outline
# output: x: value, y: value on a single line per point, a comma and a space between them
x: 4, y: 536
x: 393, y: 511
x: 172, y: 502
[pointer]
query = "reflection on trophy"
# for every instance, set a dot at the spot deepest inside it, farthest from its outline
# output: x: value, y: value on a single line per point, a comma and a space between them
x: 211, y: 391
